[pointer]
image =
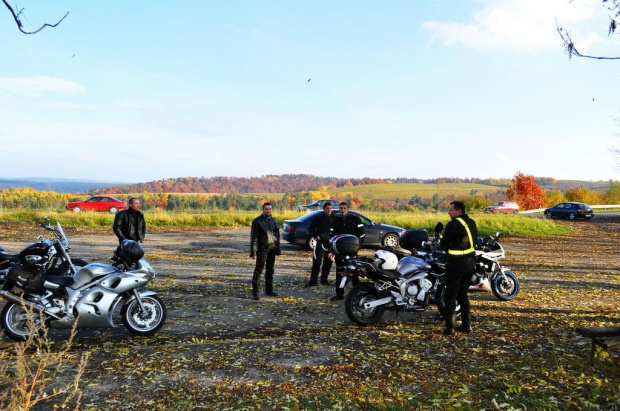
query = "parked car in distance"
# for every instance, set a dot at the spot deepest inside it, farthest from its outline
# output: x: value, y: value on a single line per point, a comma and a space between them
x: 296, y: 231
x: 503, y: 207
x: 570, y: 210
x: 318, y: 205
x: 98, y: 203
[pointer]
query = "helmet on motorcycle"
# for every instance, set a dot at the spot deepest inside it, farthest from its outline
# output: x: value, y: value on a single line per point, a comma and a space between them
x: 131, y: 251
x: 386, y: 260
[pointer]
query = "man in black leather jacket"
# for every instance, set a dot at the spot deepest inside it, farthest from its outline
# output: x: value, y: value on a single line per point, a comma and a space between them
x: 320, y: 229
x: 264, y: 246
x: 458, y: 242
x: 129, y: 224
x: 346, y: 223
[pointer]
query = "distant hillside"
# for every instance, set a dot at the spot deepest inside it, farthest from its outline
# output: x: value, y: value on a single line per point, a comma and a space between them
x: 564, y: 185
x: 57, y: 185
x: 291, y: 183
x: 409, y: 190
x: 273, y: 184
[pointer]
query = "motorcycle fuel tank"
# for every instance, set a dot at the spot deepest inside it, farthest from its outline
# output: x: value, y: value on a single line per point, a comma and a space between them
x: 90, y: 271
x: 36, y: 253
x: 410, y: 264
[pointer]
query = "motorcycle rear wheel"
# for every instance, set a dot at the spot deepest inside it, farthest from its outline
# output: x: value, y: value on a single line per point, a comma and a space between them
x: 441, y: 302
x: 505, y: 288
x: 354, y: 305
x: 144, y: 323
x: 17, y: 322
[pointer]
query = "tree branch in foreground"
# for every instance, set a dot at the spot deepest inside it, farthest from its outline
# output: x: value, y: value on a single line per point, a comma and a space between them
x: 19, y: 22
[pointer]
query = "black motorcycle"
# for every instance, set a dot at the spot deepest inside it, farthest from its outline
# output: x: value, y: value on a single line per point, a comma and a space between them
x: 43, y: 255
x: 407, y: 284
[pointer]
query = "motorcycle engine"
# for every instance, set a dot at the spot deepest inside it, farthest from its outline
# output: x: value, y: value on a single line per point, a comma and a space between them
x: 412, y: 290
x: 419, y: 292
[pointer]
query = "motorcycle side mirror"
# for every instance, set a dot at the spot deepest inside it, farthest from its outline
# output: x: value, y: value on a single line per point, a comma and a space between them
x: 497, y: 234
x: 439, y: 227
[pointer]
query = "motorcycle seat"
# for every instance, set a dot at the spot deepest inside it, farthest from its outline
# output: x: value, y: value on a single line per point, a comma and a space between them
x: 400, y: 253
x: 61, y: 280
x: 393, y: 274
x: 6, y: 257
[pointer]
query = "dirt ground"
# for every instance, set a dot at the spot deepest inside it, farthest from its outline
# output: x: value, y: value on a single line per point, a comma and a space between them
x: 204, y: 279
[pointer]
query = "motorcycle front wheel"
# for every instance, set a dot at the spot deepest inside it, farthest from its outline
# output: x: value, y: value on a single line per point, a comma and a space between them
x: 505, y: 287
x: 354, y: 304
x: 19, y: 324
x: 441, y: 302
x: 145, y: 322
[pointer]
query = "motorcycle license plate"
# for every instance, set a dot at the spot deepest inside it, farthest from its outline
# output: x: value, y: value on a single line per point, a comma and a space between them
x: 343, y: 282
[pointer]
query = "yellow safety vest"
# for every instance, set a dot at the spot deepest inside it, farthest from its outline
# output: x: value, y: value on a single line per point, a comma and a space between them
x: 471, y: 242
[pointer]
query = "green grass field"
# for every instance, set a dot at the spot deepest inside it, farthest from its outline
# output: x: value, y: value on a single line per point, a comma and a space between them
x: 171, y: 221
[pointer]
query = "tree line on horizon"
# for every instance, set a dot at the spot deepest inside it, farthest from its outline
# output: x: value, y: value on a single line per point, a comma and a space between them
x: 522, y: 189
x: 285, y: 183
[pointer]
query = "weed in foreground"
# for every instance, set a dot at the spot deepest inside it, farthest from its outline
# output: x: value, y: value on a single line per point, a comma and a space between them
x: 28, y: 376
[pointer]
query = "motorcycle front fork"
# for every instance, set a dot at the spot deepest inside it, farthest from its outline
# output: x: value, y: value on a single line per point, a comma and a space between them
x: 136, y: 295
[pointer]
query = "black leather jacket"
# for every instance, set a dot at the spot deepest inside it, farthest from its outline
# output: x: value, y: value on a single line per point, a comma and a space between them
x: 265, y: 234
x: 455, y: 236
x: 351, y: 224
x: 129, y: 224
x: 321, y: 227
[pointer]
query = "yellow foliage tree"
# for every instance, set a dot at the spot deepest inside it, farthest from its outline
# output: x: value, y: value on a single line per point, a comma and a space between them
x: 554, y: 197
x: 584, y: 195
x: 318, y: 195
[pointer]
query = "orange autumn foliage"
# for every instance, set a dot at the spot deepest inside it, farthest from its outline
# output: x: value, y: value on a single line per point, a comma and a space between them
x: 524, y: 190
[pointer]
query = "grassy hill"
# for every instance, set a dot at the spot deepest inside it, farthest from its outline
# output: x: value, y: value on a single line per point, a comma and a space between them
x: 408, y: 190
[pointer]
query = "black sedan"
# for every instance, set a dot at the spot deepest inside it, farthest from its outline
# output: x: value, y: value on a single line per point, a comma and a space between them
x: 570, y: 210
x: 318, y: 205
x: 296, y: 231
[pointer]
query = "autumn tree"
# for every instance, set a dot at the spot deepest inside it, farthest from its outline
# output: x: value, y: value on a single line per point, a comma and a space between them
x: 612, y: 196
x: 524, y: 190
x: 555, y: 197
x: 583, y: 195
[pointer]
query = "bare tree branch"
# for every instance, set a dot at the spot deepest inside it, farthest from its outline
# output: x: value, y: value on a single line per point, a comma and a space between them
x: 614, y: 8
x: 19, y: 22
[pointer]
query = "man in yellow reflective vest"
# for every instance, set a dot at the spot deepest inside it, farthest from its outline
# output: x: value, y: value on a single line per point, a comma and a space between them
x: 458, y: 241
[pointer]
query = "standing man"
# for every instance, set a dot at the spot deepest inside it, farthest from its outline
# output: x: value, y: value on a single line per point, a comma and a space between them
x: 458, y: 241
x: 346, y: 224
x: 129, y: 224
x: 320, y: 229
x: 264, y: 246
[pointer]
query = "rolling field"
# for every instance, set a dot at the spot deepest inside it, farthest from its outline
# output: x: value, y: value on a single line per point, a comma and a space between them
x: 393, y: 191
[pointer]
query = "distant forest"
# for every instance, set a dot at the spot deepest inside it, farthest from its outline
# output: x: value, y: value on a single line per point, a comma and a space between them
x: 286, y: 183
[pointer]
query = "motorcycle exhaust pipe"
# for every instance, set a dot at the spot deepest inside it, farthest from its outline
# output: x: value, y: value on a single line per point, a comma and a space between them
x: 29, y: 305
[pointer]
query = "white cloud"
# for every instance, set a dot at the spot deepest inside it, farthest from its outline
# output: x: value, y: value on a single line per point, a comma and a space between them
x: 520, y: 25
x: 36, y: 85
x: 504, y: 158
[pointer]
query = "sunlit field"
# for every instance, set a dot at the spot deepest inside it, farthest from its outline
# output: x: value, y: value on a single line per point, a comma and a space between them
x: 173, y: 221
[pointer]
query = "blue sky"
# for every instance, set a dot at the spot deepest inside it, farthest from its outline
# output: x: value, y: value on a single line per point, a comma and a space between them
x: 140, y: 91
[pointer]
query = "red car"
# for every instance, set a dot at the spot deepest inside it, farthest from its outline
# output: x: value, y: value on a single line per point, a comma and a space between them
x: 98, y: 203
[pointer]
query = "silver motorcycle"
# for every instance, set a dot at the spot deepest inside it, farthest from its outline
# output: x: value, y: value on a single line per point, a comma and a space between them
x: 90, y: 298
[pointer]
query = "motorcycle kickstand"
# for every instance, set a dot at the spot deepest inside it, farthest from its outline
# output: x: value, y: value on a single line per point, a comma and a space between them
x: 137, y: 295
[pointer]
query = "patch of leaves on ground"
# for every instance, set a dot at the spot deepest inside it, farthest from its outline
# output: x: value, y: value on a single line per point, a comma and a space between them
x: 222, y: 350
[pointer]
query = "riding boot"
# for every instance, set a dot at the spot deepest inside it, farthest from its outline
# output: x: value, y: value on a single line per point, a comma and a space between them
x: 449, y: 330
x: 465, y: 326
